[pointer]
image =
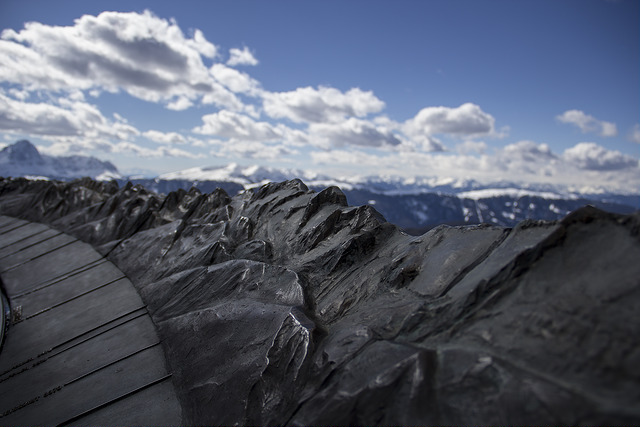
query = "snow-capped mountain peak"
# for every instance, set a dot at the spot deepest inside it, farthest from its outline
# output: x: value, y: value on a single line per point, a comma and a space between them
x: 247, y: 176
x: 21, y: 152
x: 23, y: 159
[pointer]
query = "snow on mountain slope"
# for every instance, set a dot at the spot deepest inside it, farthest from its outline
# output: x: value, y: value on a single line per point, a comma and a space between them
x: 415, y: 204
x: 511, y: 192
x: 388, y: 185
x: 23, y: 159
x: 247, y: 176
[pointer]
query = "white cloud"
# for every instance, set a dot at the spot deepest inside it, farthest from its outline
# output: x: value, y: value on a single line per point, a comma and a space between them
x: 76, y: 127
x: 68, y: 119
x: 119, y: 118
x: 427, y: 143
x: 152, y: 59
x: 634, y: 135
x: 241, y: 57
x: 195, y: 142
x: 235, y: 80
x: 524, y: 157
x: 228, y: 124
x: 80, y: 146
x: 148, y: 57
x: 351, y: 132
x: 528, y: 151
x: 588, y: 123
x: 470, y: 147
x: 19, y: 94
x: 584, y: 166
x: 325, y: 104
x: 589, y: 155
x: 608, y: 129
x: 346, y: 157
x: 252, y: 150
x: 131, y: 148
x: 177, y: 152
x: 37, y: 119
x: 466, y: 120
x: 222, y: 97
x: 407, y: 164
x: 165, y: 138
x: 180, y: 104
x: 70, y: 146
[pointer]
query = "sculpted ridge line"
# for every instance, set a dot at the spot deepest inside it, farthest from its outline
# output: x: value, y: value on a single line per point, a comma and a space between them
x: 282, y: 305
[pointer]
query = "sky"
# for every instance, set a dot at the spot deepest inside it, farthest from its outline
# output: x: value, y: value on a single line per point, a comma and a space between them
x: 533, y: 91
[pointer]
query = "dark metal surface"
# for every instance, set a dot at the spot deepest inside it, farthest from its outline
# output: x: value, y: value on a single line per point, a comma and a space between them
x: 281, y: 306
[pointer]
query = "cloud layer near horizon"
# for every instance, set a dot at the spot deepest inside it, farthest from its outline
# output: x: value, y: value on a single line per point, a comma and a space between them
x: 50, y: 74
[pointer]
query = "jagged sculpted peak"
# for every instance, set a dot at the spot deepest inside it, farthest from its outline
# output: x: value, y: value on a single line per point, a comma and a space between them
x: 281, y: 305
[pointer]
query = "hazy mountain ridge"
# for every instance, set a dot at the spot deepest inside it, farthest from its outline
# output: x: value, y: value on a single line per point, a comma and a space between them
x: 390, y: 185
x: 414, y: 204
x: 420, y: 212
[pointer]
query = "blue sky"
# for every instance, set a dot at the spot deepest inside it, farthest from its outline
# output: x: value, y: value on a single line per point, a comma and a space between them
x: 535, y: 91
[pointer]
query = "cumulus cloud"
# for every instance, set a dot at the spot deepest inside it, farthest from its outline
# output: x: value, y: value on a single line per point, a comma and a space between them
x: 195, y: 142
x: 321, y: 105
x: 524, y: 157
x: 252, y: 150
x: 346, y: 157
x: 413, y: 163
x: 584, y: 167
x: 148, y: 57
x: 239, y: 127
x: 67, y: 119
x: 37, y: 119
x: 589, y: 155
x: 588, y: 123
x: 331, y: 122
x: 228, y: 124
x: 469, y: 147
x: 241, y: 57
x: 48, y: 71
x: 352, y: 131
x: 69, y: 146
x: 634, y: 135
x: 152, y: 59
x: 466, y: 120
x: 126, y: 147
x: 76, y: 127
x: 19, y: 94
x: 165, y: 137
x: 235, y: 80
x: 81, y: 146
x: 528, y: 151
x: 179, y: 104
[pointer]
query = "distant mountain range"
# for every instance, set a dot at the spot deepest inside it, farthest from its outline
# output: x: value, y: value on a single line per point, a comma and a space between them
x: 415, y: 204
x: 23, y: 159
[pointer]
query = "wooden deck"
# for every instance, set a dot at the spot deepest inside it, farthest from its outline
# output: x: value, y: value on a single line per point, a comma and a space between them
x: 80, y: 348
